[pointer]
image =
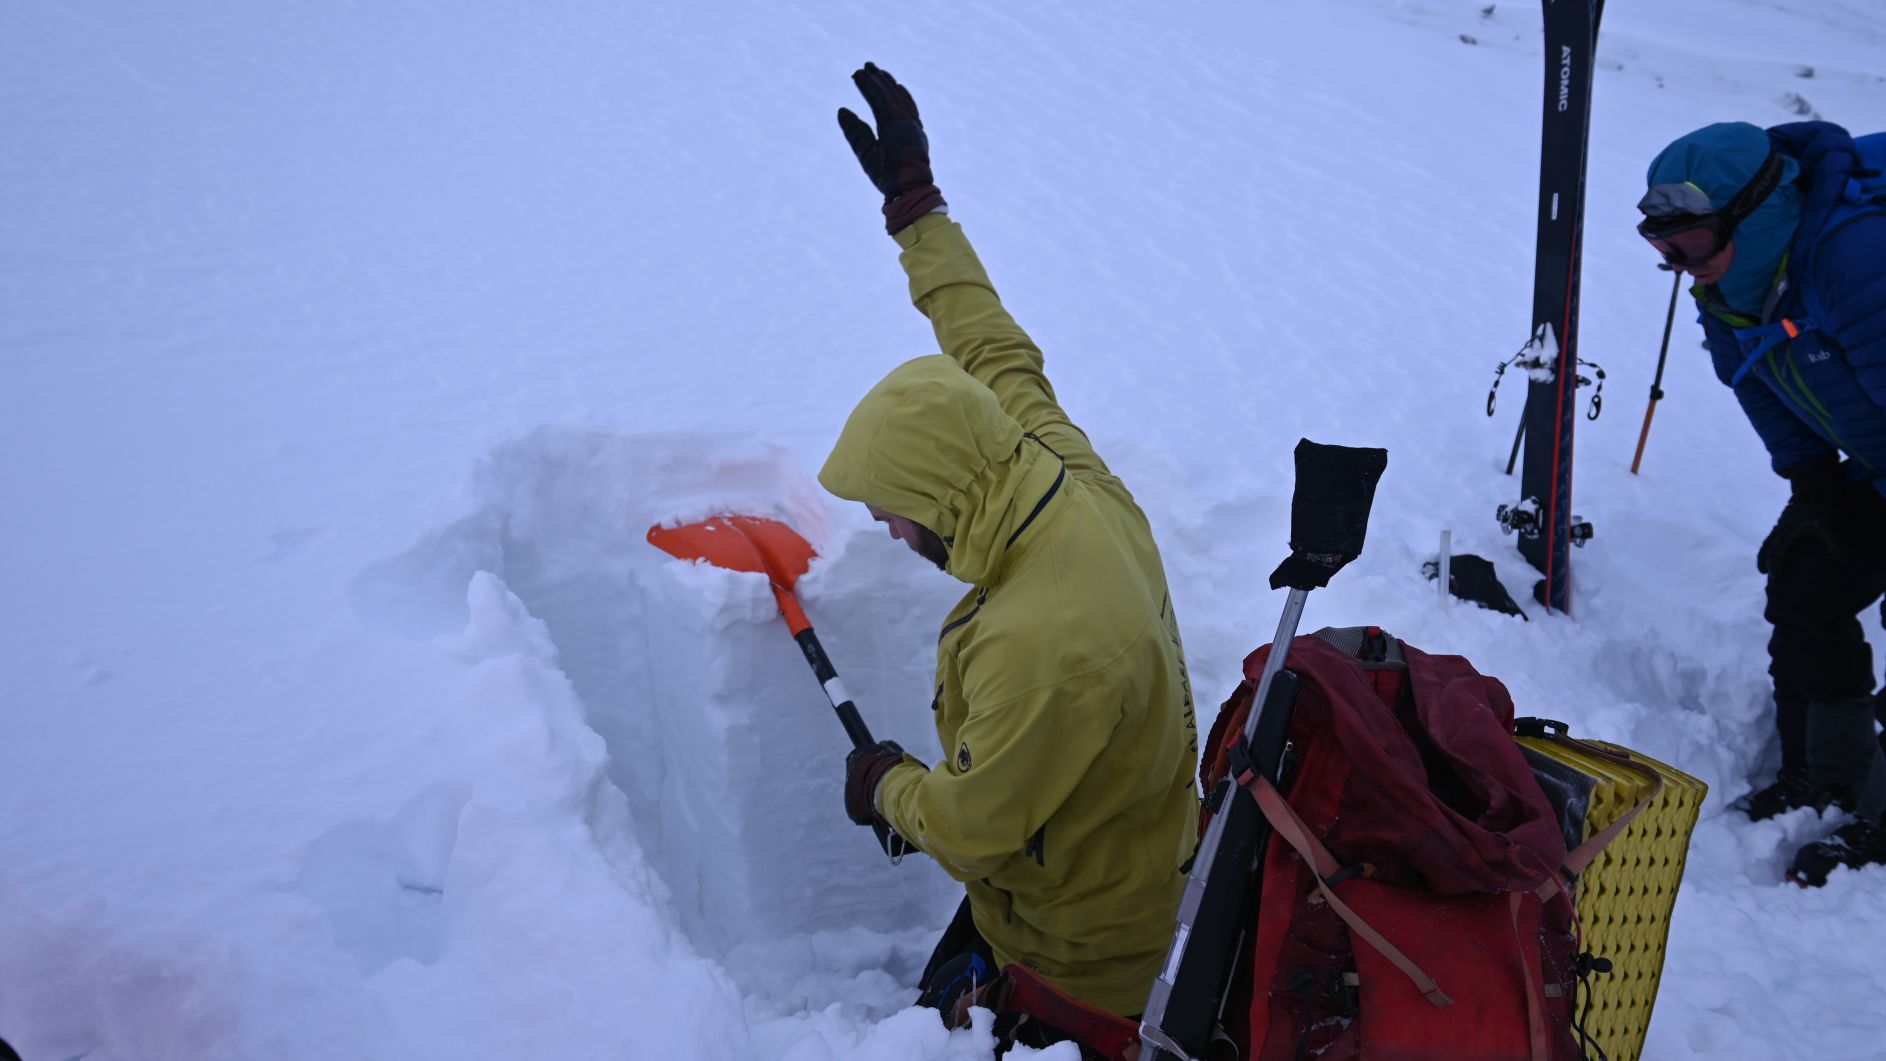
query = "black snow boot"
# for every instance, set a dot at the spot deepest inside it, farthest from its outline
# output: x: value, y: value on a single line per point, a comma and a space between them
x: 1854, y: 846
x: 1843, y: 754
x: 1791, y: 791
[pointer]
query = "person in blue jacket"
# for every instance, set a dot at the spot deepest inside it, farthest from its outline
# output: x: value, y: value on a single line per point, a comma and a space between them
x: 1784, y: 233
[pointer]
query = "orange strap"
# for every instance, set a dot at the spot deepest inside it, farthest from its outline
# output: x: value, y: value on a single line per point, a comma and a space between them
x: 1298, y: 836
x: 1535, y: 987
x: 1788, y: 326
x: 1583, y: 855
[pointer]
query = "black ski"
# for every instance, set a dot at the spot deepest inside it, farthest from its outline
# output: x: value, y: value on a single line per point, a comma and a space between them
x: 1571, y: 34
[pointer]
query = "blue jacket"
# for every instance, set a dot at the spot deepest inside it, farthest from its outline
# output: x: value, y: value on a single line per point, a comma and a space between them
x: 1809, y: 367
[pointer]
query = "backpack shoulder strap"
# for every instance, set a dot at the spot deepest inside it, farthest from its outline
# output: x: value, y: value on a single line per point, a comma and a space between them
x: 1325, y: 870
x: 1766, y: 337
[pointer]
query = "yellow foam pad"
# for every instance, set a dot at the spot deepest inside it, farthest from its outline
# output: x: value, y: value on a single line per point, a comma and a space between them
x: 1625, y: 896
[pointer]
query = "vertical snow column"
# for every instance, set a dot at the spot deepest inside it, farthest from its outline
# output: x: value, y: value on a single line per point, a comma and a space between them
x: 752, y: 835
x: 1571, y: 34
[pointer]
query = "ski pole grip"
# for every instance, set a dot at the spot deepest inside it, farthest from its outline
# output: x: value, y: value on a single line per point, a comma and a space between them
x: 1329, y: 511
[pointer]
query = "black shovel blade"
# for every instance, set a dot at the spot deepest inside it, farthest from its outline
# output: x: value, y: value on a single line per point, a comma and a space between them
x: 1329, y: 513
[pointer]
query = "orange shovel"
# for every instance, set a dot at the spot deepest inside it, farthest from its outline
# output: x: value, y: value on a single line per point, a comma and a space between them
x: 770, y: 548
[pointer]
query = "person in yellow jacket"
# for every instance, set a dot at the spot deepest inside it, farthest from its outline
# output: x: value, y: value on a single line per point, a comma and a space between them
x: 1065, y: 800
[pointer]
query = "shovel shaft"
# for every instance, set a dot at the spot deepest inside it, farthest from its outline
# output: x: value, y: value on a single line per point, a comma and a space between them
x: 771, y: 548
x: 894, y: 845
x: 790, y: 610
x: 835, y: 691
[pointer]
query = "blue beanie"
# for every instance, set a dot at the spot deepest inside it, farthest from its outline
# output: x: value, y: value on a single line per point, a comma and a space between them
x: 1720, y: 159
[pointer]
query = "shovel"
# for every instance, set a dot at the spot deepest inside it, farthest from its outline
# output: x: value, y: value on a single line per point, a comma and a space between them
x: 771, y: 548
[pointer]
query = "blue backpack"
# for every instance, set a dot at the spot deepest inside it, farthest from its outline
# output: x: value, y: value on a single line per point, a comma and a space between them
x: 1869, y: 184
x: 1865, y: 194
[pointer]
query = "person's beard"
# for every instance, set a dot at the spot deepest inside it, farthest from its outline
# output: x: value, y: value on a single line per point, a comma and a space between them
x: 930, y: 546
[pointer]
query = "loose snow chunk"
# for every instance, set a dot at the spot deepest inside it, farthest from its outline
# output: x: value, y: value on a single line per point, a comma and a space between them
x: 1540, y: 356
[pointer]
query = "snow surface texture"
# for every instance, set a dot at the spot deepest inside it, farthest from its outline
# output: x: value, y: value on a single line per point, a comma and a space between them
x: 346, y: 352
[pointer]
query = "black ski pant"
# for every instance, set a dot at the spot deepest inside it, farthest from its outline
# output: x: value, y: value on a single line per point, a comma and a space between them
x: 948, y: 975
x: 1818, y: 651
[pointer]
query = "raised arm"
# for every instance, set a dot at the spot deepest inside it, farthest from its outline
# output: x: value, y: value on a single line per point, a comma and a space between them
x: 948, y: 284
x: 947, y: 281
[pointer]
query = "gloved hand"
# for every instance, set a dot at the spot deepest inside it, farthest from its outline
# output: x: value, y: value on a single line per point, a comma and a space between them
x: 1849, y: 516
x: 864, y: 768
x: 1798, y: 523
x: 897, y: 156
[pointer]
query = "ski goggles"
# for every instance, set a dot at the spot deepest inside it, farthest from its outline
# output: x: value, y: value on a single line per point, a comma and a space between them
x: 1702, y: 239
x: 1686, y: 228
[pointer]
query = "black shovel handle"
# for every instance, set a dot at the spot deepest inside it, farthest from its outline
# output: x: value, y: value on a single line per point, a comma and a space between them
x: 827, y: 675
x: 894, y: 845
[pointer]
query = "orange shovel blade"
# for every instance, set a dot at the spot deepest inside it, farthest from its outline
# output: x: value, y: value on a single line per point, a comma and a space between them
x: 745, y: 543
x: 740, y: 543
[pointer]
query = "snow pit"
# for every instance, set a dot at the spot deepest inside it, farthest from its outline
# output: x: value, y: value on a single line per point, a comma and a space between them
x: 728, y: 753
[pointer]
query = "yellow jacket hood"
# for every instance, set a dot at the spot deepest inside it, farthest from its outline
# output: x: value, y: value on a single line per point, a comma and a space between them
x: 931, y: 443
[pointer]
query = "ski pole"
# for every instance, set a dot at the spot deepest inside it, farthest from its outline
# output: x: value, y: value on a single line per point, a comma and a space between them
x: 1656, y: 385
x: 1329, y: 518
x: 1493, y: 393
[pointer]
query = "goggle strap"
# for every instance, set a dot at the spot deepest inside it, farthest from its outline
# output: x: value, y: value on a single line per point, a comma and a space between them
x: 1760, y: 187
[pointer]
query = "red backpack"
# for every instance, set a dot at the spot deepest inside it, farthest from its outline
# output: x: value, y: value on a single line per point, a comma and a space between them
x: 1434, y: 844
x: 1413, y: 900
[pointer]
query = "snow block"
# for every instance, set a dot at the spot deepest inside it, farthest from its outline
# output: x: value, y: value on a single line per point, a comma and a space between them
x: 737, y: 764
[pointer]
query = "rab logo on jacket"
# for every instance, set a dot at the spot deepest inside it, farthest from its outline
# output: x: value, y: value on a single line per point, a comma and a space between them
x: 962, y: 757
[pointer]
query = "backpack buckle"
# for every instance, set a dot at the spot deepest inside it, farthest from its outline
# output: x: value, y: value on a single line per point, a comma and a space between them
x: 1238, y: 759
x: 1539, y: 727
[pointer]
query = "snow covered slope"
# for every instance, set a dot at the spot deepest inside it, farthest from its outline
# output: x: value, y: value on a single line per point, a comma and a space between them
x: 347, y: 350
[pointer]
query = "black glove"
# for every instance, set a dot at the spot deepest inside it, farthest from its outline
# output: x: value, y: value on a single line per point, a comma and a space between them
x: 897, y: 156
x: 1849, y: 517
x: 1799, y: 525
x: 864, y: 768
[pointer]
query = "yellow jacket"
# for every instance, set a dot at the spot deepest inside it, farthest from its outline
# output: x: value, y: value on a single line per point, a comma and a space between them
x: 1065, y: 800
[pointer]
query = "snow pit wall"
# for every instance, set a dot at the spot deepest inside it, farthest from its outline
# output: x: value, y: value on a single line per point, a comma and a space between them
x: 747, y: 814
x: 729, y: 755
